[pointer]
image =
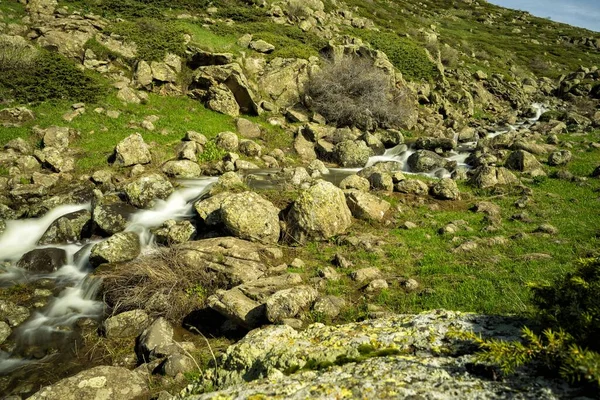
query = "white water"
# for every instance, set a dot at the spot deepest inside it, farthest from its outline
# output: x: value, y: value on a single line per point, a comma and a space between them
x: 78, y: 299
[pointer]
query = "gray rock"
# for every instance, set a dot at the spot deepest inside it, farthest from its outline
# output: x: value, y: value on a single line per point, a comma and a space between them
x: 238, y: 307
x: 131, y: 151
x: 209, y: 209
x: 181, y: 169
x: 249, y: 216
x: 13, y: 314
x: 366, y: 206
x: 390, y: 137
x: 178, y: 364
x: 250, y: 148
x: 16, y: 116
x: 248, y: 129
x: 304, y: 148
x: 521, y: 160
x: 173, y: 231
x: 111, y: 214
x: 319, y: 213
x: 261, y: 46
x: 109, y: 383
x: 120, y: 247
x: 488, y: 176
x: 20, y: 145
x: 445, y: 189
x: 381, y: 181
x: 156, y: 340
x: 560, y: 157
x: 434, y: 143
x: 5, y: 331
x: 355, y: 182
x: 68, y: 228
x: 127, y: 324
x: 366, y: 274
x: 425, y: 161
x: 128, y: 95
x: 288, y: 303
x: 57, y: 137
x: 329, y: 306
x: 376, y: 286
x: 45, y: 260
x: 143, y: 191
x: 412, y: 186
x: 353, y: 154
x: 227, y: 141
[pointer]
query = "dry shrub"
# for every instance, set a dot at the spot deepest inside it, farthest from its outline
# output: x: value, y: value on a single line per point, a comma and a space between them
x: 15, y: 55
x: 353, y: 92
x: 159, y: 284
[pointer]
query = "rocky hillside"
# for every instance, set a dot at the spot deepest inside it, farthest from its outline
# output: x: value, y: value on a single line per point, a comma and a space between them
x: 199, y: 194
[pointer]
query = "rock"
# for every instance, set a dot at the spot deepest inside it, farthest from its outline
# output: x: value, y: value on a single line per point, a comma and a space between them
x: 143, y: 74
x: 547, y: 228
x: 381, y: 181
x: 329, y: 306
x: 109, y: 383
x: 16, y: 116
x: 128, y: 95
x: 304, y: 148
x: 143, y: 191
x: 196, y: 137
x: 341, y: 262
x: 221, y: 99
x: 521, y: 160
x: 173, y: 231
x: 425, y: 161
x: 248, y: 216
x: 162, y: 72
x: 261, y: 46
x: 57, y: 137
x: 329, y: 274
x: 126, y: 324
x: 55, y: 160
x: 445, y: 189
x: 120, y: 247
x: 20, y: 145
x: 288, y: 303
x: 355, y: 182
x: 178, y: 364
x: 209, y: 209
x: 238, y: 307
x: 227, y: 141
x: 131, y: 151
x: 410, y: 285
x: 248, y: 129
x: 111, y: 214
x: 250, y: 148
x: 46, y: 260
x: 366, y: 206
x: 316, y: 169
x: 376, y: 286
x: 560, y: 157
x: 487, y: 176
x: 319, y: 213
x: 13, y: 314
x: 5, y: 331
x: 68, y: 228
x: 390, y: 137
x: 188, y: 151
x: 412, y: 186
x: 181, y: 169
x: 487, y: 208
x: 366, y: 274
x: 352, y: 154
x: 434, y: 143
x: 156, y: 340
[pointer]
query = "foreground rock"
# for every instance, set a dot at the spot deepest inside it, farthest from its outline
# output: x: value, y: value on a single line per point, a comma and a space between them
x: 413, y: 352
x: 248, y: 216
x: 132, y: 150
x: 107, y: 383
x: 124, y: 246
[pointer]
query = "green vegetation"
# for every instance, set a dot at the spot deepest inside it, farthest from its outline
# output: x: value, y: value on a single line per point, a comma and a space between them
x: 211, y: 152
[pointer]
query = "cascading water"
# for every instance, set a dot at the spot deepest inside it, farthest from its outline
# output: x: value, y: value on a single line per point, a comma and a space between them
x: 54, y: 323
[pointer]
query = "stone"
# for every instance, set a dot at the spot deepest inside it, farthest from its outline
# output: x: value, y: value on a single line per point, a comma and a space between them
x: 412, y: 186
x: 128, y: 95
x: 547, y: 228
x: 57, y: 137
x: 249, y: 216
x: 316, y: 169
x: 445, y: 189
x: 188, y: 151
x: 227, y: 141
x: 319, y: 213
x: 366, y: 206
x: 329, y: 274
x: 16, y: 116
x: 250, y: 148
x: 143, y: 74
x: 156, y: 340
x: 390, y: 137
x: 561, y: 157
x: 143, y: 191
x: 381, y: 181
x: 521, y: 160
x: 111, y: 214
x: 355, y: 182
x: 329, y: 306
x: 248, y: 129
x: 434, y: 143
x: 181, y: 169
x: 410, y: 285
x: 121, y: 247
x: 238, y: 307
x: 20, y: 145
x: 5, y: 331
x: 209, y: 210
x: 162, y: 72
x: 352, y: 154
x: 12, y: 313
x: 126, y: 324
x: 196, y: 137
x: 178, y: 364
x: 425, y: 161
x: 131, y: 151
x: 221, y: 99
x: 55, y: 160
x: 45, y: 260
x: 261, y: 46
x: 487, y: 176
x: 68, y: 228
x: 366, y: 274
x: 173, y: 231
x: 288, y: 303
x: 304, y: 148
x: 376, y: 286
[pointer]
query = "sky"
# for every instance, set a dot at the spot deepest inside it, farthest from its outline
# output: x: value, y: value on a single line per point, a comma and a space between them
x: 582, y: 13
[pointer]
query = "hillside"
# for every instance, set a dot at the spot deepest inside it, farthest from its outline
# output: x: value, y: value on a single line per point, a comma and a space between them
x: 176, y: 174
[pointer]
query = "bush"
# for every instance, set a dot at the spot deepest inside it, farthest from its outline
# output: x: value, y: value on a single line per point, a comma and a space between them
x: 353, y: 92
x: 16, y: 56
x: 51, y: 77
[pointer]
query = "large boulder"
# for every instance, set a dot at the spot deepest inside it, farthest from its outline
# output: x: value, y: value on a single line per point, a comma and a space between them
x: 68, y: 228
x: 121, y: 247
x: 434, y: 143
x: 319, y: 213
x: 522, y: 160
x: 352, y: 153
x: 131, y: 151
x: 108, y: 383
x: 425, y: 161
x: 445, y: 189
x: 487, y: 176
x: 209, y: 210
x: 143, y: 191
x: 111, y: 214
x: 366, y: 206
x: 249, y: 216
x: 173, y: 231
x: 156, y: 340
x: 46, y: 260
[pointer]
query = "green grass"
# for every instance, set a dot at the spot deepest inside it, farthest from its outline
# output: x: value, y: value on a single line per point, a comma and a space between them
x: 208, y: 40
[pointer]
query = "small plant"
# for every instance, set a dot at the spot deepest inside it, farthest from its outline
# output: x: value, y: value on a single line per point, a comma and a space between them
x: 211, y: 152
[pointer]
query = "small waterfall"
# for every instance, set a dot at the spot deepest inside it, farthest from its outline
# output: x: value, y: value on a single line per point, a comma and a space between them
x: 53, y: 325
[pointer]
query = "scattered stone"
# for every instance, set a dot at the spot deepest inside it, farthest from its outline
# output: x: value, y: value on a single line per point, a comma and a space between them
x: 288, y: 303
x: 5, y: 331
x: 261, y: 46
x: 156, y: 340
x: 366, y: 206
x: 131, y: 151
x: 121, y: 247
x: 329, y: 274
x: 248, y: 129
x: 13, y: 314
x: 425, y: 161
x: 547, y: 228
x: 181, y: 169
x: 68, y: 228
x: 409, y: 284
x: 16, y: 116
x: 178, y: 364
x: 173, y: 231
x: 376, y: 286
x: 250, y: 148
x: 297, y: 263
x: 445, y: 189
x: 412, y: 186
x: 560, y: 157
x: 126, y: 324
x: 352, y: 153
x: 355, y: 182
x: 408, y: 225
x: 227, y: 141
x: 329, y: 306
x: 521, y: 160
x: 366, y: 274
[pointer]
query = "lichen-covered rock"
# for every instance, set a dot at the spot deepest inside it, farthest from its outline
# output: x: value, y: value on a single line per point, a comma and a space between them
x: 15, y: 116
x: 250, y: 148
x: 425, y: 161
x: 249, y: 216
x: 487, y: 176
x: 561, y: 157
x: 401, y: 356
x: 156, y: 340
x: 127, y: 324
x: 366, y: 206
x: 522, y: 160
x: 209, y: 210
x: 143, y: 191
x: 181, y: 169
x: 173, y: 231
x: 131, y: 151
x: 227, y: 141
x: 319, y: 213
x: 329, y: 306
x: 111, y: 214
x: 13, y: 314
x: 56, y: 136
x: 355, y: 182
x: 434, y: 143
x: 352, y: 153
x: 288, y: 303
x: 412, y: 186
x: 121, y: 247
x: 5, y: 331
x: 445, y: 189
x: 108, y: 383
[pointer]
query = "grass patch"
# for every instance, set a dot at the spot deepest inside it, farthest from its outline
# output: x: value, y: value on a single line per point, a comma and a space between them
x: 208, y: 40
